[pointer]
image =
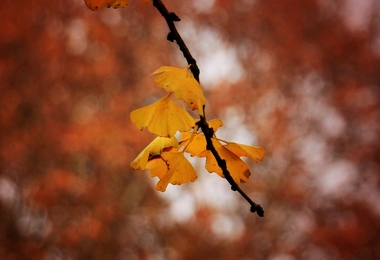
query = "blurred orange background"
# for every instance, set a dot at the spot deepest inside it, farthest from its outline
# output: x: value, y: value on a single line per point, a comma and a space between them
x: 300, y: 78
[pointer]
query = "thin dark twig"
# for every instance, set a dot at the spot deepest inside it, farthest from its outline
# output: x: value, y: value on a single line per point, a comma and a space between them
x: 175, y: 36
x: 207, y: 131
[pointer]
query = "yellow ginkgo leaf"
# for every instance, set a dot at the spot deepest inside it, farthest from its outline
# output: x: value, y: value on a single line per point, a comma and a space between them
x: 195, y: 146
x: 238, y: 169
x: 179, y: 170
x: 198, y: 144
x: 156, y: 147
x: 183, y: 84
x: 215, y: 124
x: 157, y: 167
x: 163, y: 118
x: 256, y: 153
x: 97, y: 4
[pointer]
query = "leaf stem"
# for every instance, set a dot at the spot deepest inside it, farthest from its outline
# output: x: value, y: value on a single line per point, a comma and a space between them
x: 173, y: 35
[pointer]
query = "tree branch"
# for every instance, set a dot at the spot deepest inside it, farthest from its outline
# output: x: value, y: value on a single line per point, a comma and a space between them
x: 173, y: 35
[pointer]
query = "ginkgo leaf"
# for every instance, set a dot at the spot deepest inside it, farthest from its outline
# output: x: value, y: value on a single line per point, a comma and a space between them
x: 183, y: 84
x: 195, y: 146
x: 97, y: 4
x: 256, y: 153
x: 163, y: 118
x: 215, y: 124
x: 157, y: 167
x: 237, y: 168
x: 179, y: 170
x: 156, y: 147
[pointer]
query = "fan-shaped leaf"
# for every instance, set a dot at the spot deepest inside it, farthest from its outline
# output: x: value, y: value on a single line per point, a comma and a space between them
x: 163, y: 118
x: 184, y: 86
x: 256, y: 153
x: 238, y: 169
x: 178, y: 170
x: 157, y: 167
x: 154, y: 148
x: 195, y: 146
x: 215, y: 124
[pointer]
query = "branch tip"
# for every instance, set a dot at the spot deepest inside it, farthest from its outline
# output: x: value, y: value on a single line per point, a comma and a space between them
x: 258, y: 209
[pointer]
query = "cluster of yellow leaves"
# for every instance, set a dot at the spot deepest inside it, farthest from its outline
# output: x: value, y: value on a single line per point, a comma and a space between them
x: 165, y: 156
x: 97, y: 4
x: 164, y: 117
x: 229, y: 151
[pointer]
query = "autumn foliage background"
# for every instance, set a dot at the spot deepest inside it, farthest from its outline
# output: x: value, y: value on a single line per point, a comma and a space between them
x: 300, y: 78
